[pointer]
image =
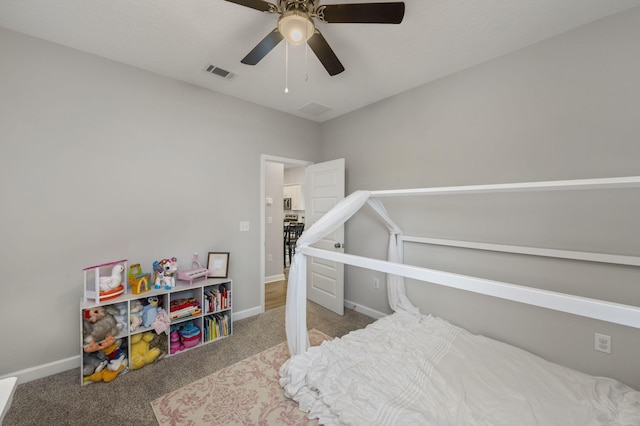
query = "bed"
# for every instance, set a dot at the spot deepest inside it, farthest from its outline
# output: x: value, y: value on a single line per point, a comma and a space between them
x: 411, y: 368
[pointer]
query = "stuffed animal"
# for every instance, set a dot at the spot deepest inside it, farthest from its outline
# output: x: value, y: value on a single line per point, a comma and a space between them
x: 150, y: 311
x: 116, y: 357
x: 116, y: 362
x: 164, y: 273
x: 135, y: 315
x: 119, y: 312
x: 159, y: 342
x: 99, y: 329
x: 93, y: 362
x: 114, y: 280
x: 141, y: 351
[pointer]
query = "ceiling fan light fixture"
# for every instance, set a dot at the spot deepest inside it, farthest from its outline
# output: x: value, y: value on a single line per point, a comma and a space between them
x: 295, y: 26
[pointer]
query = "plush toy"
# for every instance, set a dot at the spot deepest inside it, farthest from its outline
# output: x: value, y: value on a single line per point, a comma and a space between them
x: 159, y: 342
x: 119, y: 312
x: 162, y: 322
x: 135, y: 315
x: 114, y: 280
x: 116, y: 357
x: 93, y: 362
x: 150, y: 311
x: 141, y: 351
x: 164, y: 273
x: 116, y: 362
x: 99, y: 329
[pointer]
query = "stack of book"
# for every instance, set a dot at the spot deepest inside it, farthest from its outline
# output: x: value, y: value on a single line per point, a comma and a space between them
x: 218, y: 299
x: 216, y: 326
x: 181, y: 308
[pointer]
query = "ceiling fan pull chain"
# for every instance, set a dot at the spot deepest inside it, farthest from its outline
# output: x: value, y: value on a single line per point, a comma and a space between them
x: 306, y: 59
x: 286, y: 66
x: 306, y: 56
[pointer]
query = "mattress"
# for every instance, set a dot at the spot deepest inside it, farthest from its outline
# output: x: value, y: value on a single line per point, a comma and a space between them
x: 409, y: 369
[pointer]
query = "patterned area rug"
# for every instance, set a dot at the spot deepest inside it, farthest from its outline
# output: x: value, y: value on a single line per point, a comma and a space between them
x: 245, y: 393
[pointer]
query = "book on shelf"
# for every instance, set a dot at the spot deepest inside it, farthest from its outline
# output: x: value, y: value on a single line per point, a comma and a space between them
x: 184, y: 307
x: 218, y: 299
x: 216, y: 326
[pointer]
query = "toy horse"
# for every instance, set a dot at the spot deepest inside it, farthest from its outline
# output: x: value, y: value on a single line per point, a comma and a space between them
x: 165, y: 270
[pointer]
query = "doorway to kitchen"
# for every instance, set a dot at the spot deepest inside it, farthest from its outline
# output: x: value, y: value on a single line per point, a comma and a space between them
x: 282, y: 208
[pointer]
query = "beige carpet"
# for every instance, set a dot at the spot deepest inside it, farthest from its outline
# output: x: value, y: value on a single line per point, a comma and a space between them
x: 245, y: 393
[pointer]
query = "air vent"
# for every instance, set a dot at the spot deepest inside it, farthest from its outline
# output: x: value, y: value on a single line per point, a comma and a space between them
x: 315, y: 109
x: 212, y: 69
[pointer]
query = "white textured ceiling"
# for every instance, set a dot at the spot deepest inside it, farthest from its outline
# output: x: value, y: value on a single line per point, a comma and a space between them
x: 179, y: 38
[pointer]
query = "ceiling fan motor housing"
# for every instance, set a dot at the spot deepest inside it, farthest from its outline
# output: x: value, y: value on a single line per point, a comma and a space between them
x: 306, y: 6
x: 296, y: 26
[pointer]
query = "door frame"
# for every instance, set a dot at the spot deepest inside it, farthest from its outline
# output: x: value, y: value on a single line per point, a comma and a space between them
x: 264, y: 159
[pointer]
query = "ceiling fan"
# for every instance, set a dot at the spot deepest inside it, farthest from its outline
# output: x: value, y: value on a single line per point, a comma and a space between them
x: 296, y: 25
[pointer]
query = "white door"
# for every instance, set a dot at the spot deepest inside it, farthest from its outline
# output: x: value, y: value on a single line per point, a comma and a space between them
x: 324, y: 187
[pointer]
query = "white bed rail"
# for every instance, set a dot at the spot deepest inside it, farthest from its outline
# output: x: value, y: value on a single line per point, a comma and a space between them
x: 554, y: 185
x: 618, y: 259
x: 591, y: 308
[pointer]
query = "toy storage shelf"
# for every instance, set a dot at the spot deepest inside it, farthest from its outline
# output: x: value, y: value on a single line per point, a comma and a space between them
x: 203, y: 316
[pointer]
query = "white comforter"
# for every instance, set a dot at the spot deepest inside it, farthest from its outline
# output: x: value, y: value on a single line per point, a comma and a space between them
x: 408, y: 370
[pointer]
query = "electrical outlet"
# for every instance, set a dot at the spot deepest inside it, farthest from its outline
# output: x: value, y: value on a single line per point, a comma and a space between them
x: 269, y: 258
x: 602, y: 343
x: 376, y: 283
x: 244, y: 226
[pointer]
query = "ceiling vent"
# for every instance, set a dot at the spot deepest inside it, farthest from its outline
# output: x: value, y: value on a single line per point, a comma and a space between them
x: 228, y: 75
x: 315, y: 109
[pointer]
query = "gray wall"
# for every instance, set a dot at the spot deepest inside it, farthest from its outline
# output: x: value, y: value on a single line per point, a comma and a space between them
x: 97, y: 158
x: 101, y: 161
x: 274, y: 242
x: 566, y: 108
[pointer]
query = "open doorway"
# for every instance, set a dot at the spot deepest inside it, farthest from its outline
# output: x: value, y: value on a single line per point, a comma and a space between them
x: 280, y: 178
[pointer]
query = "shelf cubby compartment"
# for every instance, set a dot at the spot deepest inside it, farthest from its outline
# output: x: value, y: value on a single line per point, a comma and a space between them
x: 104, y: 357
x: 185, y: 335
x: 217, y: 326
x: 217, y: 297
x: 147, y: 347
x: 185, y: 304
x: 144, y: 310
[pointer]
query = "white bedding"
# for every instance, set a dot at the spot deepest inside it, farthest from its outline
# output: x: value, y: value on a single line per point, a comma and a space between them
x: 421, y: 370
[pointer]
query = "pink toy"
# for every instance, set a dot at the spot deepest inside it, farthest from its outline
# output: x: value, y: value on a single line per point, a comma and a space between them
x: 192, y: 274
x: 176, y: 343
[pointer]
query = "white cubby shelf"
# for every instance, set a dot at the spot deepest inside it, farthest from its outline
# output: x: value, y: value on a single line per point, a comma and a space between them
x: 204, y: 317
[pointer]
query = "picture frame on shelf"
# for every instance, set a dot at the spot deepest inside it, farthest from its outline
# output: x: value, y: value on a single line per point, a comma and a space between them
x: 218, y: 264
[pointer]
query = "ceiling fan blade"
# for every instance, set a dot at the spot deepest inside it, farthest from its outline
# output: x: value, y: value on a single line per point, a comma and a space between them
x: 265, y: 46
x: 325, y: 54
x: 362, y: 13
x: 260, y: 5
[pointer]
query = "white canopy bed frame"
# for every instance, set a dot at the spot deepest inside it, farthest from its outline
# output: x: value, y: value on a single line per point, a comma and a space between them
x: 379, y: 375
x: 297, y: 338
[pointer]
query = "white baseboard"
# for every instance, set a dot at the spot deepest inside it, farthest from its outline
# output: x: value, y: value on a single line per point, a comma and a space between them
x: 274, y: 278
x: 44, y: 370
x: 41, y: 371
x: 247, y: 313
x: 364, y: 310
